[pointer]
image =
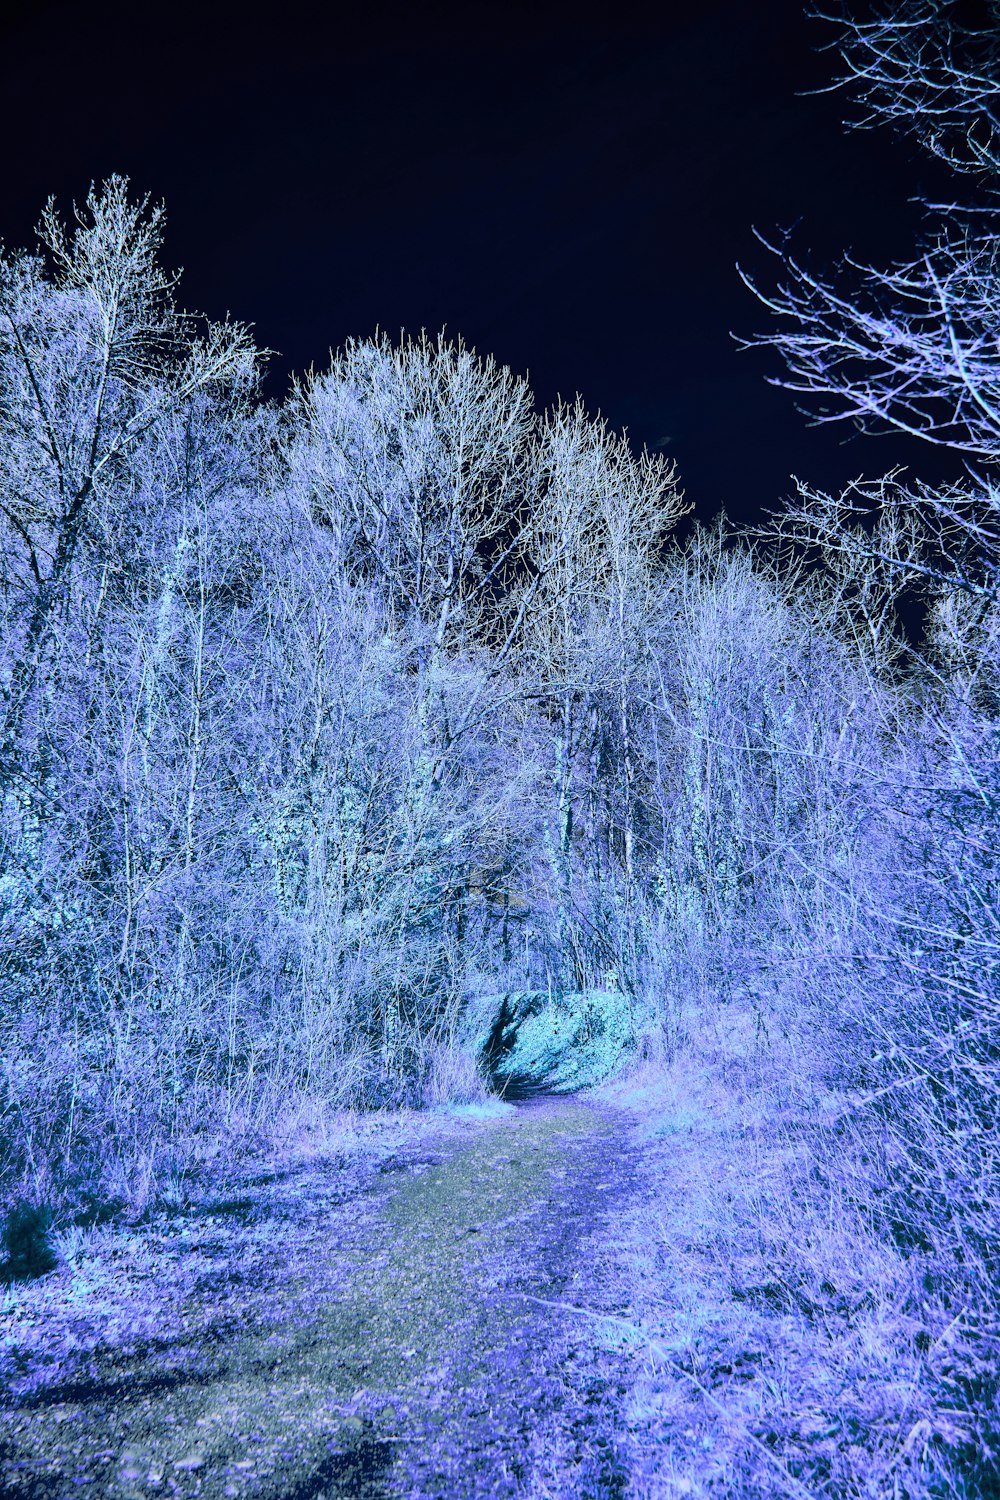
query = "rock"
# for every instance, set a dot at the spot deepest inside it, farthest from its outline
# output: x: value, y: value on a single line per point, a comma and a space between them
x: 192, y: 1462
x: 530, y: 1041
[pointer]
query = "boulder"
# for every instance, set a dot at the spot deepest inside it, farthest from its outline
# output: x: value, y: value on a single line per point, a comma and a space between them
x: 530, y: 1041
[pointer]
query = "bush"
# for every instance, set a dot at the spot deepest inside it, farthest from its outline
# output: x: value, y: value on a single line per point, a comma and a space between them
x: 538, y: 1042
x: 27, y: 1243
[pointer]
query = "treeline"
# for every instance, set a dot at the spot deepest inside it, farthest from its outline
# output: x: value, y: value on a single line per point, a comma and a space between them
x: 319, y: 720
x: 314, y: 719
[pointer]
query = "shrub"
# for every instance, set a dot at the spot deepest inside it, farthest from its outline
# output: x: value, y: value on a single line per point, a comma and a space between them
x: 27, y: 1242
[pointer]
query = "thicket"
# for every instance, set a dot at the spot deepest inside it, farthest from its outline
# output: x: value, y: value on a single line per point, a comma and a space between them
x: 908, y: 980
x: 320, y: 721
x: 316, y: 720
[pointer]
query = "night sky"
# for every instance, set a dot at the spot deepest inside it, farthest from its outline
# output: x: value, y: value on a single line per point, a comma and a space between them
x: 569, y: 193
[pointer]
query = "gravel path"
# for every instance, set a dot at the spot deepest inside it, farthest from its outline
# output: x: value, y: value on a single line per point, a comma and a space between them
x: 344, y: 1328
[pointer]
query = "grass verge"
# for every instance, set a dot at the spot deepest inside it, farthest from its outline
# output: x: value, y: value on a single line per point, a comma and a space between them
x: 791, y: 1347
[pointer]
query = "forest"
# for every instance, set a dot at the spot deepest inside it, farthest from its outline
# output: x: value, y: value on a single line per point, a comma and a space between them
x: 324, y: 721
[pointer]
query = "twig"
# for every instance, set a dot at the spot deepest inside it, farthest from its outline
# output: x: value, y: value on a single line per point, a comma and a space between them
x: 795, y: 1485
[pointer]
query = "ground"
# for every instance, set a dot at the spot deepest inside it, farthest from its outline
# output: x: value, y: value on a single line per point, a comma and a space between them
x: 663, y: 1289
x: 376, y: 1323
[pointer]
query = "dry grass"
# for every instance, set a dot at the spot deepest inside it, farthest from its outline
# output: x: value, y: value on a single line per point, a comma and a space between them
x: 790, y: 1348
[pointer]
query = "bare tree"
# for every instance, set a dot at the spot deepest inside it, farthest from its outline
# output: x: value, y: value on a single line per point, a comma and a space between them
x: 410, y: 471
x: 916, y: 349
x: 912, y: 347
x: 602, y: 518
x: 93, y: 352
x: 929, y: 68
x: 416, y: 458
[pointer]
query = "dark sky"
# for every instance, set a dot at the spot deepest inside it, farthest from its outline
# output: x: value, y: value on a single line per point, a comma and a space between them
x: 569, y: 193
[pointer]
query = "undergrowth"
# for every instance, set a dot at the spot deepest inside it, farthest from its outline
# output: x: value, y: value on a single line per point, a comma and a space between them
x: 791, y: 1344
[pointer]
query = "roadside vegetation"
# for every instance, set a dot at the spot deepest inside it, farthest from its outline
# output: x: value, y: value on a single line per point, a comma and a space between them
x: 323, y: 723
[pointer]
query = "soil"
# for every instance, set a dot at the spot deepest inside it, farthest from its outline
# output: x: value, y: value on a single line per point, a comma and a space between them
x: 344, y: 1327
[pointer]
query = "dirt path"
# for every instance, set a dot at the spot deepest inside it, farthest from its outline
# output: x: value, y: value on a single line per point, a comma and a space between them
x: 335, y: 1334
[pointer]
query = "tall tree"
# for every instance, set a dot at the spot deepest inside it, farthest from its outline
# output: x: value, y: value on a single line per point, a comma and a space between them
x: 93, y: 353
